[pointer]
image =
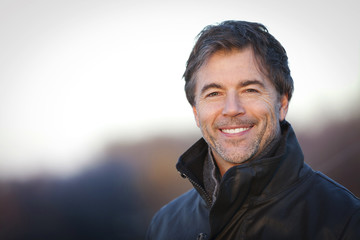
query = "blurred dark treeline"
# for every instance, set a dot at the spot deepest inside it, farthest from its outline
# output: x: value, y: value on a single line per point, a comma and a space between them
x: 116, y: 198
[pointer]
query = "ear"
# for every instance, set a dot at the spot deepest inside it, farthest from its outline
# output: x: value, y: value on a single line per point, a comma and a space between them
x: 196, y: 116
x: 284, y: 104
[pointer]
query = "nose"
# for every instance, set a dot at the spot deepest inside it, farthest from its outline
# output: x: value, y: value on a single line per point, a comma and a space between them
x: 233, y: 105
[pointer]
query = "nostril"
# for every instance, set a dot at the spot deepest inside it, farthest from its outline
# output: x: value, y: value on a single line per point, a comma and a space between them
x: 233, y: 106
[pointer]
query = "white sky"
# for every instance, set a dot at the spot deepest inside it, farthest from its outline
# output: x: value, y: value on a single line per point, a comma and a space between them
x: 77, y: 74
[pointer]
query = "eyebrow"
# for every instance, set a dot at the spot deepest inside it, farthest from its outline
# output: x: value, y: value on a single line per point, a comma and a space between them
x: 251, y: 82
x: 211, y: 85
x: 242, y: 84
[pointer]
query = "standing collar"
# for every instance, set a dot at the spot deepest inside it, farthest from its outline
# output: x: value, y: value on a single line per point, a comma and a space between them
x: 249, y: 182
x: 192, y: 162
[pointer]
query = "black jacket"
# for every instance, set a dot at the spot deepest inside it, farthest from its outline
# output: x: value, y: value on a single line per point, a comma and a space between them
x: 274, y: 198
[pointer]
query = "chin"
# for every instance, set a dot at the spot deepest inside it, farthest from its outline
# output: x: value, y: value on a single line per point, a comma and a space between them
x: 237, y: 158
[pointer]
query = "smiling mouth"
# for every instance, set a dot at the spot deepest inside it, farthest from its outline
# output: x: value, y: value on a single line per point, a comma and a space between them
x: 234, y: 130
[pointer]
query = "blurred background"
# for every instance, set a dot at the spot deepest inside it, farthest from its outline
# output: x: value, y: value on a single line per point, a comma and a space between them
x: 93, y: 115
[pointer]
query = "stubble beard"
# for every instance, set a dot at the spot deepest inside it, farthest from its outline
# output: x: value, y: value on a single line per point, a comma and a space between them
x: 237, y: 156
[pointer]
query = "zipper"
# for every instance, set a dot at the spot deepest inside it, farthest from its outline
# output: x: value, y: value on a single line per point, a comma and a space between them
x: 201, y: 190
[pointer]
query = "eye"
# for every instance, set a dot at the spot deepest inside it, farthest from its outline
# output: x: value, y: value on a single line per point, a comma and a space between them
x: 251, y: 90
x: 213, y: 94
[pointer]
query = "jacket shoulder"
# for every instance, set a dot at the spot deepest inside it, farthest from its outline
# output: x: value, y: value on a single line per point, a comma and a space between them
x: 336, y: 192
x: 342, y: 206
x: 182, y: 218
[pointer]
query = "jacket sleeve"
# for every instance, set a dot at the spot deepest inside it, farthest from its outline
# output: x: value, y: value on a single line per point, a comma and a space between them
x: 352, y: 230
x: 149, y: 233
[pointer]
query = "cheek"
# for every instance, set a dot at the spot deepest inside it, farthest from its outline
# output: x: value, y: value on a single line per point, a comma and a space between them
x: 204, y: 115
x: 263, y: 108
x: 207, y: 114
x: 201, y: 114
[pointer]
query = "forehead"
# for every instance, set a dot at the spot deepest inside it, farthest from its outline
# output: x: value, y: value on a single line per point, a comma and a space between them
x: 231, y: 67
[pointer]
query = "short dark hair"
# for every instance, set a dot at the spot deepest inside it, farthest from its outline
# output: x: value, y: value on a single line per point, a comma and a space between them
x: 230, y: 35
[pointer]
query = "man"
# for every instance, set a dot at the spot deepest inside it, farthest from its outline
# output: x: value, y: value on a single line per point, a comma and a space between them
x: 248, y: 172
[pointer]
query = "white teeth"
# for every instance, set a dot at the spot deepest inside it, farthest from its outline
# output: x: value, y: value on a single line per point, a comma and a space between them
x: 234, y: 130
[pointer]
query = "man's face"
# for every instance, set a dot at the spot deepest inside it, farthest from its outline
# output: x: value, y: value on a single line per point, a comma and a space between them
x: 236, y: 107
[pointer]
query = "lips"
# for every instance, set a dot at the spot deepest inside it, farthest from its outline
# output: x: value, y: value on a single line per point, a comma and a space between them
x: 235, y: 126
x: 234, y: 130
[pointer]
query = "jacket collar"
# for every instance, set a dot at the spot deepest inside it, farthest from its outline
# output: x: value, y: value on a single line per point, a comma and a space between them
x: 258, y: 179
